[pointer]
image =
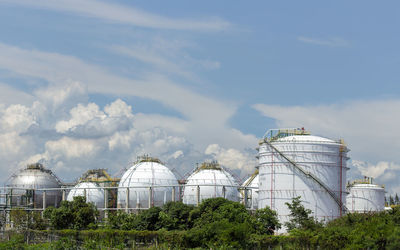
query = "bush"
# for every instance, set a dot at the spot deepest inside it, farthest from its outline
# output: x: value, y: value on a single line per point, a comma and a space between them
x: 76, y: 214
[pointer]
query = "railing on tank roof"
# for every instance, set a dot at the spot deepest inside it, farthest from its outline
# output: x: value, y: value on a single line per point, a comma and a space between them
x: 275, y: 134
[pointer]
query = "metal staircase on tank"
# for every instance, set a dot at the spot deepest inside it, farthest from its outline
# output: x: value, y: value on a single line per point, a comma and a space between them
x: 312, y: 176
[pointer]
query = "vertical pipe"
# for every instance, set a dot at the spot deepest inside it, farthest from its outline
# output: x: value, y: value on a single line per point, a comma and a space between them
x: 63, y: 195
x: 105, y: 203
x: 127, y: 200
x: 150, y: 197
x: 44, y: 200
x: 341, y: 180
x: 84, y: 194
x: 245, y: 197
x: 198, y: 195
x: 272, y: 177
x: 137, y: 199
x: 223, y: 192
x: 11, y: 197
x: 173, y: 193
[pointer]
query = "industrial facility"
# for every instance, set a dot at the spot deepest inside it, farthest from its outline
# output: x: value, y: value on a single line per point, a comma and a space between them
x: 291, y: 163
x: 249, y: 192
x: 365, y: 196
x: 28, y: 187
x: 295, y: 163
x: 147, y: 183
x: 210, y: 180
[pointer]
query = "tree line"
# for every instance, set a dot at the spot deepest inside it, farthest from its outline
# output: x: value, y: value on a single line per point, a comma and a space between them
x: 215, y: 223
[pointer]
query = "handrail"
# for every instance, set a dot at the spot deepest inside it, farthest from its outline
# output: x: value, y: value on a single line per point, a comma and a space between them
x: 312, y: 176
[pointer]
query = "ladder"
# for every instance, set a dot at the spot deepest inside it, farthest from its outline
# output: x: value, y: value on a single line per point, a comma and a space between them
x: 311, y: 176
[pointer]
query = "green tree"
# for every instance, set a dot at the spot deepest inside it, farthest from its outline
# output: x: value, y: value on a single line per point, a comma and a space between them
x: 23, y: 219
x: 76, y: 214
x: 149, y: 219
x: 267, y: 221
x: 396, y: 200
x: 300, y: 217
x: 175, y: 216
x: 218, y: 222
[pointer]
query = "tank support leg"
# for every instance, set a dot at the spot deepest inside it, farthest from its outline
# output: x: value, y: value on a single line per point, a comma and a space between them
x: 198, y: 195
x: 127, y: 200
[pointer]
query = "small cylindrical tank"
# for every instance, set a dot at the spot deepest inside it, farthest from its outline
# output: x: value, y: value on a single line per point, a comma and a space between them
x: 364, y: 196
x: 92, y: 191
x: 252, y: 192
x: 147, y: 182
x: 210, y: 180
x: 24, y: 187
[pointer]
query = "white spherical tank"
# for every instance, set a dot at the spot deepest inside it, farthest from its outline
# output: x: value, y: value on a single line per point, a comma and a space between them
x: 363, y: 196
x: 27, y: 187
x: 147, y: 182
x: 210, y: 181
x: 252, y: 192
x: 93, y: 193
x: 294, y: 163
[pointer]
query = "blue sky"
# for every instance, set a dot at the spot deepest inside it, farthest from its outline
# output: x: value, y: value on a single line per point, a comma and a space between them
x: 89, y: 83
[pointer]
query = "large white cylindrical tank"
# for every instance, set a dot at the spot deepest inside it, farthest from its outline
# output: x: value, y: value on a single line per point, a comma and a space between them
x: 147, y: 182
x: 210, y: 181
x: 93, y: 193
x: 294, y: 163
x: 365, y: 197
x: 27, y: 187
x: 252, y: 192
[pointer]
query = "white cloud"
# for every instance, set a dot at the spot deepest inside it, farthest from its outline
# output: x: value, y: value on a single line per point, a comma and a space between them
x: 72, y: 148
x: 332, y: 42
x: 232, y: 158
x: 204, y: 115
x: 55, y: 95
x: 16, y: 118
x: 375, y: 170
x: 10, y: 95
x: 124, y: 14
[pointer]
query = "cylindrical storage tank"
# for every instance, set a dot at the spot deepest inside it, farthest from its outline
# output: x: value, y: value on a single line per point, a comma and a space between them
x: 250, y: 186
x: 365, y: 197
x: 210, y: 181
x: 147, y: 182
x: 24, y: 187
x: 294, y: 163
x: 92, y: 191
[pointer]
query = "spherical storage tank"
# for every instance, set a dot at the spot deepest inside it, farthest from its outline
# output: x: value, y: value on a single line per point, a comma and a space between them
x: 147, y: 182
x: 92, y: 191
x: 252, y: 192
x: 25, y: 187
x: 293, y: 163
x: 364, y: 196
x: 210, y: 180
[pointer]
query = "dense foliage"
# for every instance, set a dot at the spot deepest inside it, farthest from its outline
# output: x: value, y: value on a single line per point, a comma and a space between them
x: 215, y: 223
x: 76, y: 214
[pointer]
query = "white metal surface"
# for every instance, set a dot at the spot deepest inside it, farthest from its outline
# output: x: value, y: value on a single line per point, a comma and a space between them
x: 211, y: 183
x: 35, y: 176
x: 320, y: 183
x: 252, y: 199
x: 139, y: 177
x: 365, y: 198
x: 93, y: 193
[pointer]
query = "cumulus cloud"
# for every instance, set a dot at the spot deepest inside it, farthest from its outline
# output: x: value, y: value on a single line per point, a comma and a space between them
x: 232, y: 158
x: 16, y: 118
x: 87, y: 136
